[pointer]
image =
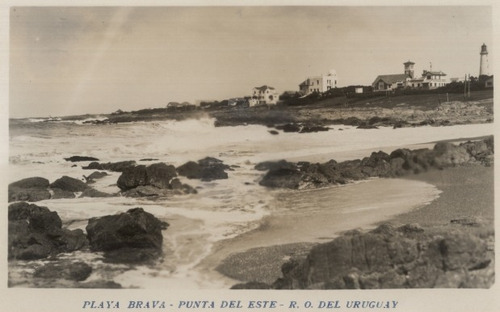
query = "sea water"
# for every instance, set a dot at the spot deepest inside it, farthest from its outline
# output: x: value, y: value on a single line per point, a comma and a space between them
x: 222, y: 210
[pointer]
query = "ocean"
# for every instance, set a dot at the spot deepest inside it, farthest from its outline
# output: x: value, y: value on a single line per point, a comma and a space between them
x: 223, y: 211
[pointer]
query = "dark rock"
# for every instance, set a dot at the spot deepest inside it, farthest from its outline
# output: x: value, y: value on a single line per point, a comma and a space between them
x: 48, y: 223
x: 81, y: 158
x: 58, y: 194
x: 148, y: 159
x: 99, y: 285
x: 116, y: 167
x: 283, y: 178
x: 160, y: 175
x: 36, y: 232
x: 29, y: 189
x: 94, y: 193
x: 66, y: 183
x: 96, y: 175
x: 211, y: 162
x: 213, y: 173
x: 400, y: 162
x: 447, y: 154
x: 132, y: 177
x: 132, y: 255
x: 190, y: 170
x: 157, y: 175
x: 30, y: 183
x: 273, y: 132
x: 74, y: 271
x: 313, y: 128
x: 251, y: 285
x: 290, y: 127
x: 366, y: 126
x: 395, y: 257
x: 23, y: 210
x: 133, y: 229
x: 206, y: 169
x: 273, y: 165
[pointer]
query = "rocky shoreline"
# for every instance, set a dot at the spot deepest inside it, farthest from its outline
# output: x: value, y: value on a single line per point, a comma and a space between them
x: 400, y: 162
x: 456, y: 250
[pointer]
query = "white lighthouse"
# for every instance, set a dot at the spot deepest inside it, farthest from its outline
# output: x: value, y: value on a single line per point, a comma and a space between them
x: 483, y: 65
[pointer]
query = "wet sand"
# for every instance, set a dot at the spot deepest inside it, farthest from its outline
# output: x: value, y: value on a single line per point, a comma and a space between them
x: 467, y: 192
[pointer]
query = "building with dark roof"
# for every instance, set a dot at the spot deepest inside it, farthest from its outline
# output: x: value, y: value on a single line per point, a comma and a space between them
x: 390, y: 82
x: 429, y: 80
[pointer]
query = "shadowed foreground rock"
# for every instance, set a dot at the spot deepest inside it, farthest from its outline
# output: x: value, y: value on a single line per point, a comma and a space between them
x: 400, y: 162
x: 75, y: 271
x: 397, y: 257
x: 36, y: 232
x: 133, y: 236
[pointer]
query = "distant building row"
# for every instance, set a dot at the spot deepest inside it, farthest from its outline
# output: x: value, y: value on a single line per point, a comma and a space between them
x: 429, y: 80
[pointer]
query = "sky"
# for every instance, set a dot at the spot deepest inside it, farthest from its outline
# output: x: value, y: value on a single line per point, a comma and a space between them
x: 77, y: 60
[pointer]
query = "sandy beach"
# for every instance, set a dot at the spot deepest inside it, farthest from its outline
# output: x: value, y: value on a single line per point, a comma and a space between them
x: 466, y: 194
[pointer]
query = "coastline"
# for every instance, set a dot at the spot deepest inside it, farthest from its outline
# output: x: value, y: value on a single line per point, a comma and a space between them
x: 466, y: 194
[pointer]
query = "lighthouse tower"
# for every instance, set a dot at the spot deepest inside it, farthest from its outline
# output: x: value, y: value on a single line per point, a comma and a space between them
x: 409, y: 69
x: 483, y: 64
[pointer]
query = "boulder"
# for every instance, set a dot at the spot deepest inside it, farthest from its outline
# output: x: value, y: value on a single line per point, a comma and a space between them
x: 272, y: 165
x: 80, y: 158
x: 29, y: 189
x: 290, y: 127
x: 283, y: 178
x: 90, y: 192
x: 133, y: 229
x: 313, y: 128
x: 206, y: 169
x: 30, y: 183
x: 96, y: 175
x: 156, y: 175
x: 36, y: 232
x: 132, y: 177
x: 160, y: 175
x: 69, y: 184
x: 116, y: 167
x: 190, y: 170
x: 58, y: 194
x: 447, y: 154
x: 67, y: 270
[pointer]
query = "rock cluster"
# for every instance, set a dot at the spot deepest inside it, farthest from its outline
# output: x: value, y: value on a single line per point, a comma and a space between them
x: 154, y: 180
x: 36, y: 232
x: 400, y: 162
x: 37, y: 188
x: 395, y: 257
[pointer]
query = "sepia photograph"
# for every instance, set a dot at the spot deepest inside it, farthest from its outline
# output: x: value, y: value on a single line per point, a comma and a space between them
x: 343, y: 155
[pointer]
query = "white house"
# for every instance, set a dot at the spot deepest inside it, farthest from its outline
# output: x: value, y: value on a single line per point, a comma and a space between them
x: 321, y: 83
x: 263, y: 95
